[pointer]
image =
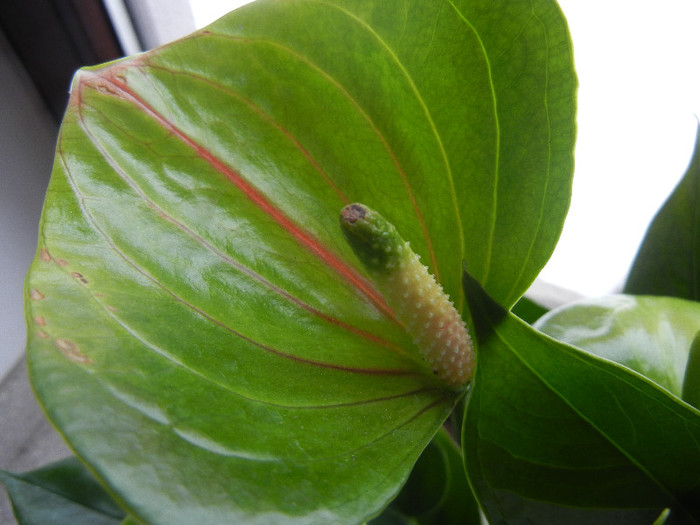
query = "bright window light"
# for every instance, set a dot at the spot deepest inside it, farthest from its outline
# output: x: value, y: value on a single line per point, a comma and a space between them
x: 206, y: 11
x: 639, y: 91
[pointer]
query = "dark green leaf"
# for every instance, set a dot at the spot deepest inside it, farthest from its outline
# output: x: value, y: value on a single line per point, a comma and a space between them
x: 437, y: 491
x: 668, y: 261
x: 391, y: 516
x: 200, y: 332
x: 691, y: 380
x: 60, y: 494
x: 458, y: 506
x: 427, y: 485
x: 553, y: 434
x: 528, y: 310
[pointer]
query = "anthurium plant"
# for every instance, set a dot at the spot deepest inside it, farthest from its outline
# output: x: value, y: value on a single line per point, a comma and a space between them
x: 219, y: 343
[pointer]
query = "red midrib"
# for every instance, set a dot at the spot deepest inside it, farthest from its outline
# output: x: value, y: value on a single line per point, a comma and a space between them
x: 121, y: 89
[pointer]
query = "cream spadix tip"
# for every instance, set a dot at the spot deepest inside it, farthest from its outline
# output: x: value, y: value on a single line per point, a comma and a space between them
x: 412, y: 292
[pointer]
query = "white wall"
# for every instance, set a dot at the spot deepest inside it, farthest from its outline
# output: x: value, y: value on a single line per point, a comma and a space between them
x: 161, y: 21
x: 638, y: 96
x: 27, y: 139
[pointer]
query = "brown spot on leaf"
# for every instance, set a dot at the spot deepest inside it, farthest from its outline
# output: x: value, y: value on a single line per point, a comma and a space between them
x: 62, y: 262
x: 71, y: 351
x: 44, y: 255
x: 40, y: 320
x: 80, y: 277
x: 43, y: 335
x: 105, y: 89
x: 36, y: 294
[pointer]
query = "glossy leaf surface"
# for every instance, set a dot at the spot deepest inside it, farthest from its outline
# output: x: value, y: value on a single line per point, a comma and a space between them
x: 199, y: 330
x: 61, y: 493
x: 651, y: 335
x: 554, y: 434
x: 668, y: 261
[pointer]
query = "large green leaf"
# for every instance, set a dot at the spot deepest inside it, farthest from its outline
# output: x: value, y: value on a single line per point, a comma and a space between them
x: 668, y: 261
x: 553, y: 434
x: 199, y: 331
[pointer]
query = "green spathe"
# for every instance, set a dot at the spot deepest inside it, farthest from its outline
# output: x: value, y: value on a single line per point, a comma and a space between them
x: 199, y: 330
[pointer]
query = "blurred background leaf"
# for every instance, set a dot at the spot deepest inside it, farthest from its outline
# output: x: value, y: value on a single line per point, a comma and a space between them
x: 650, y: 335
x: 58, y: 494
